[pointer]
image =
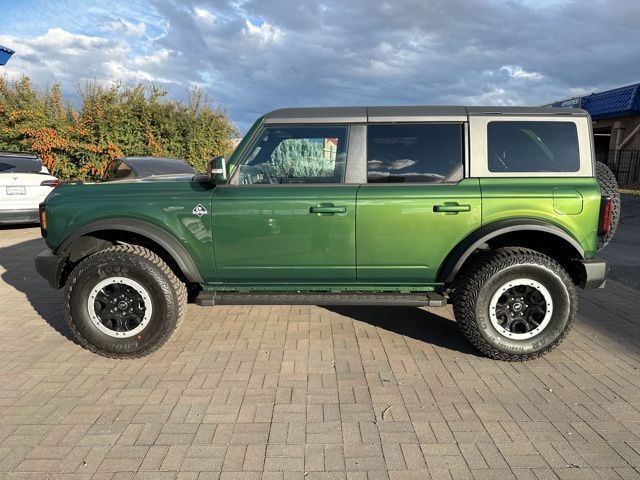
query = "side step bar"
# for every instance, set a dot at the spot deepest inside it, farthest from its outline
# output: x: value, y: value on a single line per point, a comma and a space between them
x: 423, y: 299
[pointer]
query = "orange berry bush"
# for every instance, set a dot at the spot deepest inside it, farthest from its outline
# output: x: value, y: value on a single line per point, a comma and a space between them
x: 78, y: 142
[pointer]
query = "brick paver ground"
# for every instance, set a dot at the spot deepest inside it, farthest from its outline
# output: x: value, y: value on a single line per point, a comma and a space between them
x: 312, y: 393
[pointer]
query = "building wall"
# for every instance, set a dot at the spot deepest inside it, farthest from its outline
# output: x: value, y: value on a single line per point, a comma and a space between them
x: 620, y: 128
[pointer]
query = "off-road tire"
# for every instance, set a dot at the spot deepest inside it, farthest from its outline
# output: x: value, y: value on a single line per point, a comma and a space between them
x: 609, y: 186
x: 483, y: 276
x: 167, y: 293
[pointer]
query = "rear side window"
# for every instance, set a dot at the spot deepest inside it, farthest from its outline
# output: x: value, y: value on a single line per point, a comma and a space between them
x: 20, y: 165
x: 404, y: 153
x: 533, y: 147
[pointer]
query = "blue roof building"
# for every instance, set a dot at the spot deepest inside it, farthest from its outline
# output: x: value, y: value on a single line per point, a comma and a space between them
x: 615, y: 114
x: 619, y: 102
x: 5, y: 54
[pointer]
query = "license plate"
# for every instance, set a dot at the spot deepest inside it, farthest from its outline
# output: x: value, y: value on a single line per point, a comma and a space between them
x: 16, y: 191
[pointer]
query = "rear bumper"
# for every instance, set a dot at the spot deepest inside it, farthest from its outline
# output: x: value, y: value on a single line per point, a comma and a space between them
x: 10, y: 217
x: 595, y: 273
x: 50, y: 266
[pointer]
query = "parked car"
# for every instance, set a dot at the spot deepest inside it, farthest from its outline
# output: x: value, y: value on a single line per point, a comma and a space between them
x: 24, y: 184
x: 127, y: 168
x: 497, y: 210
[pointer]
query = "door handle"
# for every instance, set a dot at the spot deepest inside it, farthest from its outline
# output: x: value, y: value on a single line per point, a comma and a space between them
x: 451, y: 207
x: 327, y: 209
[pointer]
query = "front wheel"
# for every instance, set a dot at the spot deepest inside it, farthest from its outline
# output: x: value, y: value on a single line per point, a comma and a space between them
x: 123, y: 302
x: 514, y: 304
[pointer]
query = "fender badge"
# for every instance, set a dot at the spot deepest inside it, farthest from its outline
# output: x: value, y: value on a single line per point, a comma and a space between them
x: 199, y: 210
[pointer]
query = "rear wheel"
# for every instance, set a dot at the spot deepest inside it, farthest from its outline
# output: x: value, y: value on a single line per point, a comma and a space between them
x: 124, y: 302
x: 514, y: 304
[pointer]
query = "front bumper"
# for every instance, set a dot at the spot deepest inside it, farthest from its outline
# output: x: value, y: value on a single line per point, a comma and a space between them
x: 50, y: 267
x: 595, y: 273
x: 11, y: 217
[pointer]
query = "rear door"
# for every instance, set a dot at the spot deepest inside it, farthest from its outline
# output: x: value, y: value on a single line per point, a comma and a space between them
x: 416, y: 205
x: 287, y: 217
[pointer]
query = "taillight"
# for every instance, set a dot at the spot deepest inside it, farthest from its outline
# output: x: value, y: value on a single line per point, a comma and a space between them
x: 43, y: 221
x: 50, y: 183
x: 605, y: 215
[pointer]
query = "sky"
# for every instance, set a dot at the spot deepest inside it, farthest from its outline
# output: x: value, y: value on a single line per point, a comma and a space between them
x: 253, y: 56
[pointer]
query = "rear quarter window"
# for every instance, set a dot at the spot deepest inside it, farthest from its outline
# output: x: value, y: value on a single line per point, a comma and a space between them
x: 532, y: 147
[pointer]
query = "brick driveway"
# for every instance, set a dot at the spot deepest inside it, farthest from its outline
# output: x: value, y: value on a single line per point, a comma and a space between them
x: 312, y: 393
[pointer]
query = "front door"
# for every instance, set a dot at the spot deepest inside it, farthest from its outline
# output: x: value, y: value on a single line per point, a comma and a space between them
x: 416, y: 206
x: 286, y: 217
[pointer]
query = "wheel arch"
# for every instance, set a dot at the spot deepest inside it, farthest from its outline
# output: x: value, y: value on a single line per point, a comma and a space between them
x: 532, y: 233
x: 100, y: 234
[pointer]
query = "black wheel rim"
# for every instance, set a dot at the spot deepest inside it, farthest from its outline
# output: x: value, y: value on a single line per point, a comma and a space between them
x: 521, y: 308
x: 119, y: 306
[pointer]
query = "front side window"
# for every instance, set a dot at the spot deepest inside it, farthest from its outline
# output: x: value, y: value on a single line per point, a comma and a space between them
x: 313, y: 154
x: 413, y: 152
x: 533, y: 147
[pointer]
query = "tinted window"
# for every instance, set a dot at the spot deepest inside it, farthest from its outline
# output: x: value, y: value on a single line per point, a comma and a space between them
x: 145, y: 167
x: 533, y: 147
x: 413, y: 153
x: 118, y: 170
x: 296, y: 155
x: 20, y: 165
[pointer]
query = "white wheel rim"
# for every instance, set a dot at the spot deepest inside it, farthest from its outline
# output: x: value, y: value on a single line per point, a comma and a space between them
x: 139, y: 289
x: 517, y: 314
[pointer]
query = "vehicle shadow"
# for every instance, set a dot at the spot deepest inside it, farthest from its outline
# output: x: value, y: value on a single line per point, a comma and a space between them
x: 20, y: 273
x: 412, y: 322
x: 19, y: 226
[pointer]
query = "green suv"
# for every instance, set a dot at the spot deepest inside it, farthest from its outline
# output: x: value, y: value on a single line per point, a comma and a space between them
x: 498, y: 211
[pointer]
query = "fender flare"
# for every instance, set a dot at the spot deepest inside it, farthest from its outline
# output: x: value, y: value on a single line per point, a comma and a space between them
x: 461, y: 252
x: 147, y: 230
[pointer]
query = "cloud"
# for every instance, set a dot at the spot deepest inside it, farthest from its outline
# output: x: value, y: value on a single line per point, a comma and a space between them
x: 265, y: 33
x: 118, y: 25
x: 58, y: 55
x: 257, y: 55
x: 518, y: 73
x: 204, y: 16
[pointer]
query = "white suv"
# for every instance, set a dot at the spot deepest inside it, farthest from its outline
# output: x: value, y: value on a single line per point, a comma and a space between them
x: 24, y: 184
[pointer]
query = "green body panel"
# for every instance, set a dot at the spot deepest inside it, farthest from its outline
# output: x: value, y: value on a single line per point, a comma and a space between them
x: 567, y: 201
x: 401, y: 239
x: 267, y: 234
x: 573, y: 204
x: 165, y: 204
x: 261, y: 237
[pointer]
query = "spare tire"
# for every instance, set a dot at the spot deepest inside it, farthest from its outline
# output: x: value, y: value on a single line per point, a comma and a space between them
x: 609, y: 186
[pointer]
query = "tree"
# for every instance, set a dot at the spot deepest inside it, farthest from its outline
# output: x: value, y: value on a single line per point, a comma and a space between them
x: 301, y: 158
x: 111, y: 121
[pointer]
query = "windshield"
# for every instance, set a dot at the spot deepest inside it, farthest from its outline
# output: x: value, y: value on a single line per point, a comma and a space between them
x: 238, y: 153
x: 20, y: 165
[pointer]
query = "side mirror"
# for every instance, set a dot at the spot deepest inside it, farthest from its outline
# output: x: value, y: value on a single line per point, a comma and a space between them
x: 218, y: 170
